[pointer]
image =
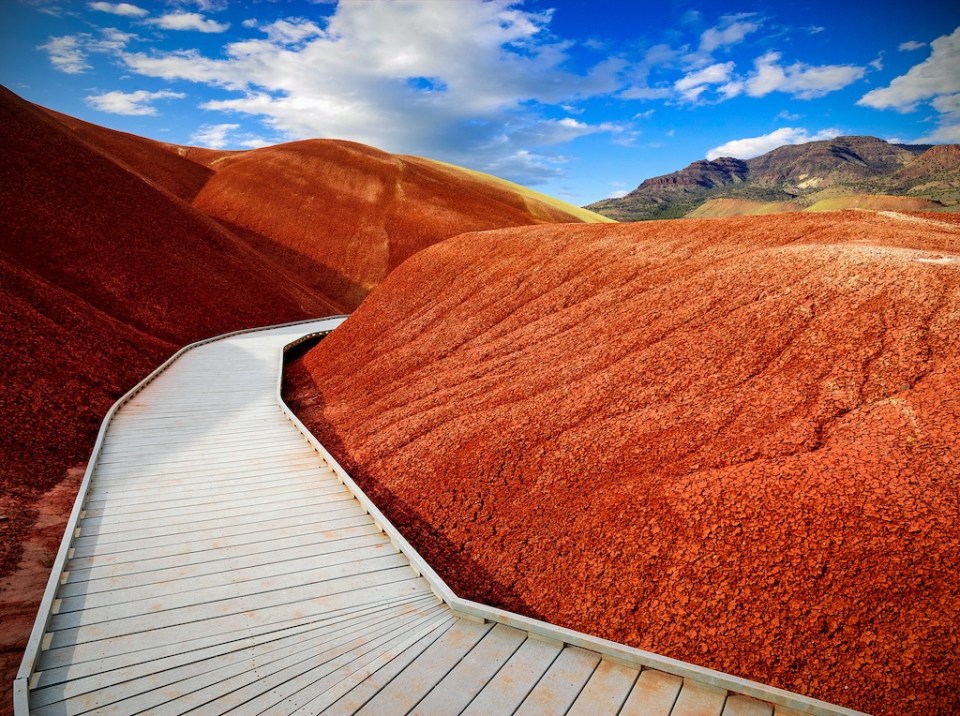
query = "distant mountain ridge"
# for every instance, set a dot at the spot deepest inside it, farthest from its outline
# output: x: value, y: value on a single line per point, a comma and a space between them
x: 799, y: 176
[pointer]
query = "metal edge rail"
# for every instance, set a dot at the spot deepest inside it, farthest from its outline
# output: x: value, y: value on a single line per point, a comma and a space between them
x: 475, y: 611
x: 21, y: 683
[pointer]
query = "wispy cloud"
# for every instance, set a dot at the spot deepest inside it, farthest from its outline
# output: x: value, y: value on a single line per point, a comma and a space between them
x: 798, y: 79
x: 911, y: 45
x: 214, y: 136
x: 934, y: 77
x: 66, y: 54
x: 732, y: 30
x: 189, y: 21
x: 119, y: 8
x: 130, y: 103
x: 788, y: 116
x: 693, y: 84
x: 69, y: 53
x: 755, y: 146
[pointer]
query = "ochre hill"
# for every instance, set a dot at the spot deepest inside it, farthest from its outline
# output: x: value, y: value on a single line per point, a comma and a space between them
x: 106, y: 269
x: 359, y: 212
x: 729, y: 441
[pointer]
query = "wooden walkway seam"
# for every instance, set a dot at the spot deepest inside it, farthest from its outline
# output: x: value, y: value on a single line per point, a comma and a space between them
x: 218, y: 559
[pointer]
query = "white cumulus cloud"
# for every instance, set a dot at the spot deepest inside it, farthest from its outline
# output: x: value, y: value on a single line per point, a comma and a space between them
x: 66, y: 54
x: 755, y: 146
x: 799, y: 79
x: 465, y: 82
x: 119, y: 8
x: 934, y: 77
x: 693, y: 84
x: 728, y: 33
x: 69, y: 53
x: 935, y: 80
x: 130, y: 103
x: 189, y: 21
x: 215, y: 136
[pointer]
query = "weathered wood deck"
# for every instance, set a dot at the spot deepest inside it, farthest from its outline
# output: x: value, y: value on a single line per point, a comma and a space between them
x: 216, y: 562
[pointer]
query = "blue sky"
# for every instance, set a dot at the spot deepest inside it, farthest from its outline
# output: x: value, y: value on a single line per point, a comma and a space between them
x: 582, y: 99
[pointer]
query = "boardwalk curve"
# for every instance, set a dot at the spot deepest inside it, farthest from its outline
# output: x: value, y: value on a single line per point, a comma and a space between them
x: 219, y: 560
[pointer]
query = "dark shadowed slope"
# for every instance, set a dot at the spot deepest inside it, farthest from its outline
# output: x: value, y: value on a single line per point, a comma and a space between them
x: 102, y: 275
x: 164, y: 165
x: 731, y: 441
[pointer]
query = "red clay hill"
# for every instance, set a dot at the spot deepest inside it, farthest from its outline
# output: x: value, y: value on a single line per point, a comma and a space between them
x: 730, y: 441
x: 358, y: 212
x: 106, y: 268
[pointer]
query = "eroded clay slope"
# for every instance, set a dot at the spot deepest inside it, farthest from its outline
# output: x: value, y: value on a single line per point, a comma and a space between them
x: 730, y: 441
x: 358, y: 212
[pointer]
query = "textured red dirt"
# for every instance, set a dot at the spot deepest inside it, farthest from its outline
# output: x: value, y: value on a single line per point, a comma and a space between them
x: 730, y: 441
x: 355, y: 210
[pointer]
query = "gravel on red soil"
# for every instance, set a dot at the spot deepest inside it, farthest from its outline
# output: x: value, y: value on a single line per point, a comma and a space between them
x: 731, y: 441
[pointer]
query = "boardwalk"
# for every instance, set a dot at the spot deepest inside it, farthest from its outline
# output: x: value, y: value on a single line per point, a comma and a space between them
x: 218, y: 563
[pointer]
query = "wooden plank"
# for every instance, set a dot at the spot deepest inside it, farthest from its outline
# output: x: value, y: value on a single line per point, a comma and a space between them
x: 117, y: 513
x: 265, y: 573
x: 459, y: 687
x: 510, y: 686
x: 132, y: 539
x: 207, y: 462
x: 152, y: 635
x: 144, y: 447
x: 563, y: 682
x: 313, y: 698
x: 201, y: 646
x: 227, y: 680
x: 739, y: 705
x: 286, y: 683
x: 82, y: 582
x: 206, y: 483
x: 221, y: 598
x: 88, y: 556
x: 784, y: 711
x: 697, y: 699
x: 154, y: 475
x: 173, y: 434
x: 415, y: 681
x: 124, y: 509
x: 113, y: 528
x: 355, y: 698
x: 137, y: 455
x: 606, y: 691
x: 307, y: 538
x: 654, y: 694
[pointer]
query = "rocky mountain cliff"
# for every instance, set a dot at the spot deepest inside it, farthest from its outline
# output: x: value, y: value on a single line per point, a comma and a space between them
x: 796, y: 177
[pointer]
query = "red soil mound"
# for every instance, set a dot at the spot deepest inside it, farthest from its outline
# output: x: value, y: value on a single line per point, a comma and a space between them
x: 163, y: 165
x: 732, y: 442
x: 357, y: 211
